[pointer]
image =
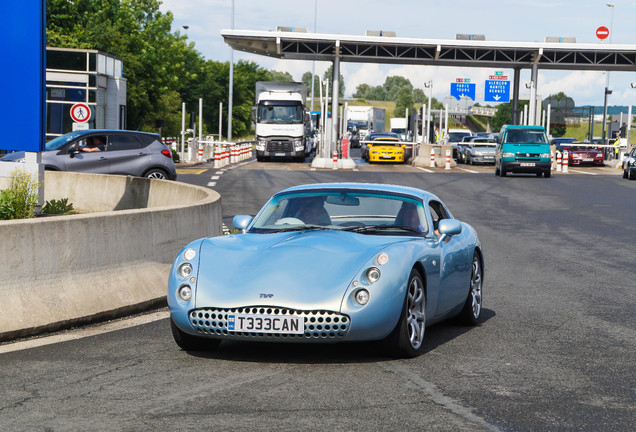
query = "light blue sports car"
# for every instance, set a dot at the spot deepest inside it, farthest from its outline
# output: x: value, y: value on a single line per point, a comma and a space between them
x: 328, y: 263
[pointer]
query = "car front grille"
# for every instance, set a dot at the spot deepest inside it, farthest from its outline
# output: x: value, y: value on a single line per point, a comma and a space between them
x: 279, y: 146
x: 320, y: 325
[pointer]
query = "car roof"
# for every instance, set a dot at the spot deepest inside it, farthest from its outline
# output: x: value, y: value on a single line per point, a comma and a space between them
x: 522, y: 127
x: 367, y: 187
x: 385, y: 138
x: 111, y: 131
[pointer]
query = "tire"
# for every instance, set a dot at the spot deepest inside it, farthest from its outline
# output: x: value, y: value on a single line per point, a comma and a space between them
x: 156, y: 173
x: 407, y: 339
x: 497, y: 171
x: 192, y: 343
x: 624, y: 173
x: 502, y: 172
x: 631, y: 175
x: 539, y: 174
x: 547, y: 174
x: 472, y: 308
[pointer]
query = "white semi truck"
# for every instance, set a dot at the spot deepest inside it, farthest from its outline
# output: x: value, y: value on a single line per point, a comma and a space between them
x: 282, y: 120
x: 399, y: 126
x: 367, y: 118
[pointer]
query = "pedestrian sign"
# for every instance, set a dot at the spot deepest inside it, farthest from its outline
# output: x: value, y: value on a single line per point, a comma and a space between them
x: 80, y: 113
x: 497, y: 91
x: 462, y: 89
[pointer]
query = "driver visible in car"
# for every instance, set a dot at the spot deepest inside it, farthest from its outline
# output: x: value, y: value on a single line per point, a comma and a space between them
x: 311, y: 211
x: 409, y: 217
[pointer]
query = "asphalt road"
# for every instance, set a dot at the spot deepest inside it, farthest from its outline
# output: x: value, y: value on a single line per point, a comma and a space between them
x: 556, y: 349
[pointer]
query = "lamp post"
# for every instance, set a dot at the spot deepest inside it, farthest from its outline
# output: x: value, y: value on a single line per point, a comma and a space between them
x: 231, y: 95
x: 429, y: 86
x: 186, y: 30
x: 607, y: 91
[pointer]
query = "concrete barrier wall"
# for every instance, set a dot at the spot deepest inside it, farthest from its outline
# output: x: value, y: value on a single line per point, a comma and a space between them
x: 114, y: 258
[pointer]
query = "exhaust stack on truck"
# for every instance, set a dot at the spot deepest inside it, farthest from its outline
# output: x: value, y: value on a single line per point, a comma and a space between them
x: 282, y: 120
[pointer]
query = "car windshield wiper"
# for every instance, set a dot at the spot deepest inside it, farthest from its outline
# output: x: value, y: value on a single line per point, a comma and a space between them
x: 303, y: 228
x: 384, y: 227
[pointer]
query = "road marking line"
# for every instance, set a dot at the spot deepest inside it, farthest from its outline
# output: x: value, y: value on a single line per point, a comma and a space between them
x: 211, y: 184
x: 190, y: 171
x: 582, y: 172
x: 85, y: 332
x: 219, y: 172
x: 215, y: 178
x: 467, y: 170
x: 424, y: 169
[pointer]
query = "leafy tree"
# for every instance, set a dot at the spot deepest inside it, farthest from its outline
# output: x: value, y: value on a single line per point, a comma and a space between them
x: 306, y: 78
x: 279, y: 76
x: 504, y: 115
x: 361, y: 91
x: 376, y: 93
x: 404, y: 101
x: 394, y: 84
x: 419, y: 96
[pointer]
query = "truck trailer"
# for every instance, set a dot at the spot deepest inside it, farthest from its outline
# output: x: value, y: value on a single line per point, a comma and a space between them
x: 367, y: 118
x: 282, y: 120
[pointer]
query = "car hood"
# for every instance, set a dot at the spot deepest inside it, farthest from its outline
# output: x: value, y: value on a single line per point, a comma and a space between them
x: 13, y: 157
x: 303, y: 270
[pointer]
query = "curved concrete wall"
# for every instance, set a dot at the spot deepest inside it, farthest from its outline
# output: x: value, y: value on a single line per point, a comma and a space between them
x: 112, y: 259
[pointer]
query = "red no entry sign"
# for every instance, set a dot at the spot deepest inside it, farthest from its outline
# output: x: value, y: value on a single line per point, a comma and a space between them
x: 80, y: 113
x: 602, y: 32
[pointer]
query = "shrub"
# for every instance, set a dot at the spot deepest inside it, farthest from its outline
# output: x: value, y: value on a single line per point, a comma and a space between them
x: 20, y: 199
x: 175, y: 156
x: 60, y: 206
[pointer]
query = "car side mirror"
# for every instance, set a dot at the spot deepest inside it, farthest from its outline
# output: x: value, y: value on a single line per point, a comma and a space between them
x: 72, y: 151
x: 241, y: 222
x: 449, y: 227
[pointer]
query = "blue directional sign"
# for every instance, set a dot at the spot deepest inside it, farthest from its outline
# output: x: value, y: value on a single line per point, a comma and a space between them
x: 23, y: 53
x: 460, y: 89
x: 497, y: 91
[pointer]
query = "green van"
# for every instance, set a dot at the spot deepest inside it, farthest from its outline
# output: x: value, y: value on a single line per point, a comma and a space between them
x: 522, y: 149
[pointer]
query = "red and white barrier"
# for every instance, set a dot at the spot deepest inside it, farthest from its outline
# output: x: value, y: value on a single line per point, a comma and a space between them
x: 335, y: 160
x: 558, y: 167
x: 432, y: 158
x: 552, y: 167
x: 448, y: 160
x: 565, y: 161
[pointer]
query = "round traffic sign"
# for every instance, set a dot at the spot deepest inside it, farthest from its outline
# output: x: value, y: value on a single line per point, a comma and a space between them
x: 80, y: 113
x: 602, y: 32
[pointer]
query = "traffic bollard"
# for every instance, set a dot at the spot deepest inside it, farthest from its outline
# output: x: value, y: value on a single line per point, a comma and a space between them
x: 565, y: 161
x: 448, y: 160
x: 432, y: 158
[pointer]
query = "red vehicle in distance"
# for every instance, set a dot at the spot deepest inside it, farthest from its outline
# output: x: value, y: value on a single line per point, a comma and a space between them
x: 579, y: 153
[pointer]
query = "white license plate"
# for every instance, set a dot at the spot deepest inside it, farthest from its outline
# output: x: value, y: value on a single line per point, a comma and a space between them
x: 588, y: 159
x: 387, y: 156
x: 489, y: 157
x: 526, y: 164
x: 282, y: 324
x: 279, y: 154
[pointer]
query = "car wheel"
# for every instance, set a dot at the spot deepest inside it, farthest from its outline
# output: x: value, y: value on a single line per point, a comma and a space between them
x: 538, y: 174
x: 156, y: 173
x: 497, y: 170
x: 547, y: 174
x: 631, y: 175
x: 502, y: 172
x: 192, y: 343
x: 472, y: 308
x: 407, y: 339
x: 624, y: 173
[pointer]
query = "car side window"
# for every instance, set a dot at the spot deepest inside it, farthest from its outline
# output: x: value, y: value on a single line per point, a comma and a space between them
x: 123, y: 142
x: 438, y: 212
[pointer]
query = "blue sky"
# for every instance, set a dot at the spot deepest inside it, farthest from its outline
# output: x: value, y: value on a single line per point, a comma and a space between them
x: 510, y: 20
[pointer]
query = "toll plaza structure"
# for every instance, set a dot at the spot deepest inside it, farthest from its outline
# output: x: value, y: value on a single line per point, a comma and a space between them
x: 386, y: 47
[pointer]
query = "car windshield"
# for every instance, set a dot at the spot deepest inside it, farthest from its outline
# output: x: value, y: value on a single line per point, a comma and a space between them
x: 526, y: 136
x: 59, y: 142
x: 280, y: 112
x: 348, y: 210
x: 457, y: 136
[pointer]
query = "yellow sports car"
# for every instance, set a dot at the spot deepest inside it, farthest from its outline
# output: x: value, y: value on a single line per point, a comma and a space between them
x: 386, y: 149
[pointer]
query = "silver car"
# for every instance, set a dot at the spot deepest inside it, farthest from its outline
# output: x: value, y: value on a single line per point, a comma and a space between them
x: 132, y: 153
x: 480, y: 151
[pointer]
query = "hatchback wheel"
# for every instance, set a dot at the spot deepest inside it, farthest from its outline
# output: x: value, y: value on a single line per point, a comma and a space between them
x: 156, y: 173
x: 472, y: 308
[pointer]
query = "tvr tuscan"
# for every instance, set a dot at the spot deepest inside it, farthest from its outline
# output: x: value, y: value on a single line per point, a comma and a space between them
x: 329, y: 263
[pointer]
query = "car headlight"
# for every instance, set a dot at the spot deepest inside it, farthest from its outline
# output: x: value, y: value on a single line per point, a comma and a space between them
x: 509, y: 155
x: 362, y: 297
x: 185, y: 270
x: 599, y: 155
x: 185, y: 293
x: 382, y: 259
x: 373, y: 274
x: 189, y: 254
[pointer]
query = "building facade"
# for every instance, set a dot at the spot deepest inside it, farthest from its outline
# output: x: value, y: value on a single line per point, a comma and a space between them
x: 83, y: 76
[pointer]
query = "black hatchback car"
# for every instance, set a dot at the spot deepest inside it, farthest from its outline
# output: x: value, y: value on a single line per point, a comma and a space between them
x: 122, y: 152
